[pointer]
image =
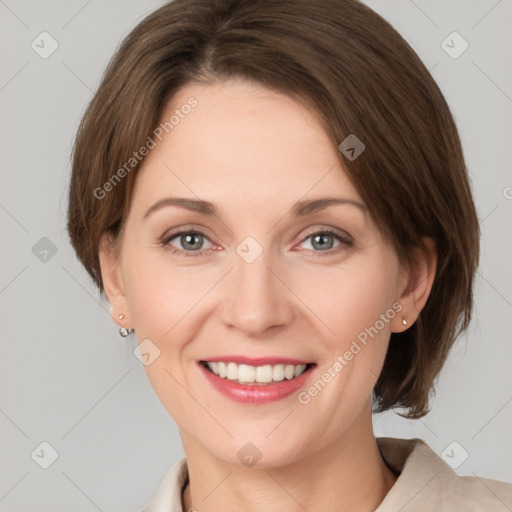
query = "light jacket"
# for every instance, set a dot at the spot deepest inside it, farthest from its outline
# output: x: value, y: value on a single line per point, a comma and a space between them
x: 426, y: 484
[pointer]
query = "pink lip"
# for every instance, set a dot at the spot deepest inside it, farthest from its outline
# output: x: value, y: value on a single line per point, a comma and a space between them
x: 259, y: 361
x: 256, y: 394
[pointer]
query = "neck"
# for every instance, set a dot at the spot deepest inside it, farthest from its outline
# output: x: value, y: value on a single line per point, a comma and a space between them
x: 348, y: 474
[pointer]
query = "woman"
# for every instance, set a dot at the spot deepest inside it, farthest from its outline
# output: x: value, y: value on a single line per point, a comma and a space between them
x: 273, y: 197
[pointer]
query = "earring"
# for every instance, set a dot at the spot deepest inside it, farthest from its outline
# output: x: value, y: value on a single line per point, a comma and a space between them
x: 404, y: 322
x: 123, y: 331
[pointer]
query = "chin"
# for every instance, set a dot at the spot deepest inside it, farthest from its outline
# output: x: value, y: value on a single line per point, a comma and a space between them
x: 256, y: 451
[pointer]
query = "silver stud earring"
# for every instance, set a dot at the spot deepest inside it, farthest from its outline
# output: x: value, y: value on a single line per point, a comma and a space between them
x: 123, y: 331
x: 404, y: 322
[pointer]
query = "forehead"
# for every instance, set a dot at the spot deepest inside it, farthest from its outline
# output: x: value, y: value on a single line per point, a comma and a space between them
x: 241, y: 143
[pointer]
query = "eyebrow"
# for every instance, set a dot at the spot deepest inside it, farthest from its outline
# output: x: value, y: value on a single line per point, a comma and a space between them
x: 299, y: 209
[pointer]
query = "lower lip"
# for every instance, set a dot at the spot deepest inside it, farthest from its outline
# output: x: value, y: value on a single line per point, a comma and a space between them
x: 256, y: 394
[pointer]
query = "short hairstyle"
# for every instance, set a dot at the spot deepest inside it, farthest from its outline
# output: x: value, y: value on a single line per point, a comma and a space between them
x: 358, y: 76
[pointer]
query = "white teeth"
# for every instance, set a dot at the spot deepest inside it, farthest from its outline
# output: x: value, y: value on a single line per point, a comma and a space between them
x: 264, y: 373
x: 232, y: 371
x: 289, y: 371
x: 299, y: 369
x: 222, y: 369
x: 278, y: 372
x: 245, y: 373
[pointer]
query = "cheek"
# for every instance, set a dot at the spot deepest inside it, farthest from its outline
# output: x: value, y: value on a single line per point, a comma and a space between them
x: 357, y: 307
x: 161, y: 294
x: 352, y: 300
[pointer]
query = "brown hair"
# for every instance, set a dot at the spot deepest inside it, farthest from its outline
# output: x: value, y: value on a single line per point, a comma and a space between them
x: 360, y: 77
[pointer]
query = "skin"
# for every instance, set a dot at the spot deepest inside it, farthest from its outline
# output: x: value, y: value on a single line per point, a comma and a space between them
x: 254, y: 153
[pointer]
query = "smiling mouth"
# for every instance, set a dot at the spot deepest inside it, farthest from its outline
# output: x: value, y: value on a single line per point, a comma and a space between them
x: 256, y: 375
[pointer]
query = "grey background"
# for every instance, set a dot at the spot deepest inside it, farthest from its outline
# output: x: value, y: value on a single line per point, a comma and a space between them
x: 66, y: 376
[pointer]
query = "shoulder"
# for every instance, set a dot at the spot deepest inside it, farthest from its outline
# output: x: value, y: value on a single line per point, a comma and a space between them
x: 427, y: 483
x: 483, y: 492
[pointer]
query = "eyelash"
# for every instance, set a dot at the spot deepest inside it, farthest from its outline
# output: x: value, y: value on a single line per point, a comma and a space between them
x: 164, y: 241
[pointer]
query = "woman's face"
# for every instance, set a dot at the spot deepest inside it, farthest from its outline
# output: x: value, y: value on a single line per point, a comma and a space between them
x: 256, y: 279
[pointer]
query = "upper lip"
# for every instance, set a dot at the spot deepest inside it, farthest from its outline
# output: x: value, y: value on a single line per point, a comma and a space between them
x: 256, y: 361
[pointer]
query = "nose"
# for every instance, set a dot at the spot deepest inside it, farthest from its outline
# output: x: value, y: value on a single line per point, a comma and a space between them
x: 256, y: 299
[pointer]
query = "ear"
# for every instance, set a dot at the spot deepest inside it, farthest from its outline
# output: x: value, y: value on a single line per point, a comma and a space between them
x: 112, y: 281
x: 416, y: 284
